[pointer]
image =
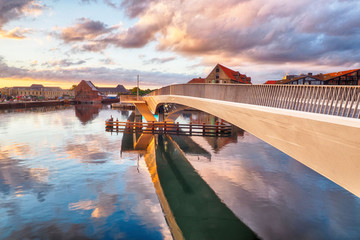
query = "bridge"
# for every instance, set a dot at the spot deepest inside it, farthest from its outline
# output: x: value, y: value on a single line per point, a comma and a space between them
x: 317, y: 125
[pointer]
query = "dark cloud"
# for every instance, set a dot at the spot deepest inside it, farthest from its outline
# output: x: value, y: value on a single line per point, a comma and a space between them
x: 64, y: 63
x: 159, y: 60
x: 14, y: 9
x: 134, y: 8
x: 84, y: 29
x: 95, y: 36
x: 111, y: 4
x: 265, y: 31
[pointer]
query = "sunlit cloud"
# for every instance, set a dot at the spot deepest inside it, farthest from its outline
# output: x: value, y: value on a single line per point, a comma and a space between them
x: 15, y: 33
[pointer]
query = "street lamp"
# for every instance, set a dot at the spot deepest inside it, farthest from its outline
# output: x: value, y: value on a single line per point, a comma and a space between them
x: 137, y: 90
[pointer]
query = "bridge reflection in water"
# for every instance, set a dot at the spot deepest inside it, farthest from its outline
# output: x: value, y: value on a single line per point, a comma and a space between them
x: 192, y: 209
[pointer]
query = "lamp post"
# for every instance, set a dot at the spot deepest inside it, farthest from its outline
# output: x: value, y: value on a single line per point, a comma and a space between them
x: 137, y: 90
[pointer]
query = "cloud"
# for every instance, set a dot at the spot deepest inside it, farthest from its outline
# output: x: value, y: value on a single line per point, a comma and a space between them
x: 11, y: 10
x: 99, y: 75
x: 84, y: 29
x: 160, y: 60
x: 15, y: 33
x: 63, y: 63
x: 135, y: 7
x: 250, y: 31
x: 95, y: 36
x: 87, y: 1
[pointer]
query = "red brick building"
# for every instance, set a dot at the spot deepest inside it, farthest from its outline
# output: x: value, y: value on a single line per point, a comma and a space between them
x: 87, y: 92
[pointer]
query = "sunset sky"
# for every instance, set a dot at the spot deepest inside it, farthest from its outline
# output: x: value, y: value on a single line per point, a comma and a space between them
x: 61, y: 42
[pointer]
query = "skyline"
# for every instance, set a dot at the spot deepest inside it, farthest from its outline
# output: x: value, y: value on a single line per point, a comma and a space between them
x: 60, y: 43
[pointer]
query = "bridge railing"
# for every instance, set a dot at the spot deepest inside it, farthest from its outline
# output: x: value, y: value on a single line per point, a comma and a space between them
x: 330, y: 100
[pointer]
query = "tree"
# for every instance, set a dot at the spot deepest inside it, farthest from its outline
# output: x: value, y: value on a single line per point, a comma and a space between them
x: 141, y: 91
x: 73, y: 87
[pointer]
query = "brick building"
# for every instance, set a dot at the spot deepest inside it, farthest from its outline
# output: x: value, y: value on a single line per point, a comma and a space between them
x: 86, y: 91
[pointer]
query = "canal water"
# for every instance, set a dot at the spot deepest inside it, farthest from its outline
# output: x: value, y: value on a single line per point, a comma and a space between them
x: 62, y: 176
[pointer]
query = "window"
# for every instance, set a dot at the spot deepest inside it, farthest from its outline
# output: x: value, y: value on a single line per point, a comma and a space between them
x: 217, y: 76
x: 217, y: 70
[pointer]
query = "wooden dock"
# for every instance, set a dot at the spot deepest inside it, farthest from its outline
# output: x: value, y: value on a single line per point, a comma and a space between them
x: 191, y: 129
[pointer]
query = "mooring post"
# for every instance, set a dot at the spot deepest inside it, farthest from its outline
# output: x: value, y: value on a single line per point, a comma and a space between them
x: 117, y: 124
x: 152, y: 127
x: 217, y: 128
x: 190, y: 128
x: 164, y: 126
x: 128, y: 124
x: 177, y: 128
x: 203, y: 128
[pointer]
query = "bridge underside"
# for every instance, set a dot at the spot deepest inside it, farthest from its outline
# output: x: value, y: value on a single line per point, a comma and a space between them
x: 329, y: 145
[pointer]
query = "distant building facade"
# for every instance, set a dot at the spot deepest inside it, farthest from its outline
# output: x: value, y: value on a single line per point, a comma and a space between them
x: 118, y: 90
x: 222, y: 74
x: 38, y: 90
x: 349, y: 77
x: 86, y: 91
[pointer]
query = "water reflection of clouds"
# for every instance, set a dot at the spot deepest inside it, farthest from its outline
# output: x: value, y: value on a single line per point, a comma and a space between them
x: 103, y: 206
x: 18, y: 179
x: 146, y: 204
x: 90, y: 148
x: 45, y: 161
x: 50, y: 230
x: 19, y: 150
x: 277, y: 196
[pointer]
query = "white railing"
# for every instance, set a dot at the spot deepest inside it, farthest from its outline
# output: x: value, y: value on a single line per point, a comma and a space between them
x: 330, y: 100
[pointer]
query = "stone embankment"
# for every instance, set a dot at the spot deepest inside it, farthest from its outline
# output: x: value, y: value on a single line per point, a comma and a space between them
x: 30, y: 104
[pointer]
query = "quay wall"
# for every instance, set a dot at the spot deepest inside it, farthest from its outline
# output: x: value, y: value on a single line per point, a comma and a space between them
x: 14, y: 105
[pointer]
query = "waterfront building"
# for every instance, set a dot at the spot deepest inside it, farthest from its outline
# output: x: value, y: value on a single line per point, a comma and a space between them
x: 118, y: 90
x: 222, y: 74
x: 38, y: 90
x: 86, y: 91
x: 348, y: 77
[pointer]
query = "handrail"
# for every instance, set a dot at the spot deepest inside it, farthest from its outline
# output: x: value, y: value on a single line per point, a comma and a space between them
x: 341, y: 101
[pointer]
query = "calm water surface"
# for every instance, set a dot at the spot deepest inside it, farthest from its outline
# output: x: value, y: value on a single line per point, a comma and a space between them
x: 62, y: 176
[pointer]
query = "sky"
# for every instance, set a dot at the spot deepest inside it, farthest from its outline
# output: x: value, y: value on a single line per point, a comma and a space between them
x: 110, y: 42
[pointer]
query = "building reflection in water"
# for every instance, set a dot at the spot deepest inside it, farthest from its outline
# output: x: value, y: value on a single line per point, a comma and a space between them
x: 216, y: 143
x: 87, y: 112
x: 192, y: 209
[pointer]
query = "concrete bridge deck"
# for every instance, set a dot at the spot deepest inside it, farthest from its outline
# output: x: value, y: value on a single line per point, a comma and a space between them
x: 328, y: 144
